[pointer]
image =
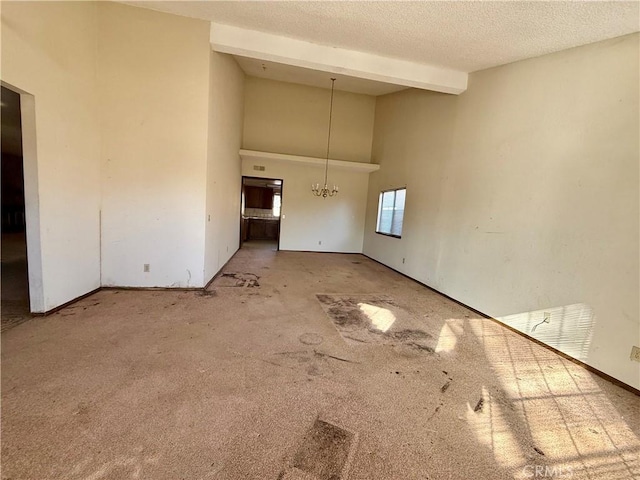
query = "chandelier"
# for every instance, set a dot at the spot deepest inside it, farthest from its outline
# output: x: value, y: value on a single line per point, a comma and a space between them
x: 324, y: 192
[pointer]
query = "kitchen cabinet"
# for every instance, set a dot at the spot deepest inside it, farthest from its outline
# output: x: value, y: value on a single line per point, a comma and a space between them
x: 263, y: 229
x: 257, y: 229
x: 271, y: 229
x: 258, y: 197
x: 244, y: 229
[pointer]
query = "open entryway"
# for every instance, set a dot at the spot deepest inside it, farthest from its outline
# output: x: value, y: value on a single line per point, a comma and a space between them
x: 22, y: 289
x: 15, y: 278
x: 260, y: 213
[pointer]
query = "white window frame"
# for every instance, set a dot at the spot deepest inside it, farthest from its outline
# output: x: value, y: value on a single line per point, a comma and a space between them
x: 380, y: 197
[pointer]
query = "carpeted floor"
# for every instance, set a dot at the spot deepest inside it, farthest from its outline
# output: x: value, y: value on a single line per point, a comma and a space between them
x: 300, y: 366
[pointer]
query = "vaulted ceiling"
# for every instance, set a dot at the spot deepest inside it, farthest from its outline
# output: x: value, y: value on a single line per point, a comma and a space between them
x: 463, y: 36
x: 460, y: 35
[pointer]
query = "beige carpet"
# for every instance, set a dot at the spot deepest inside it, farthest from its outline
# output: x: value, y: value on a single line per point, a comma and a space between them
x: 258, y: 379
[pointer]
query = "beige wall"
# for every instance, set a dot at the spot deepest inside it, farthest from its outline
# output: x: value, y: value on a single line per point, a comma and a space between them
x: 522, y: 197
x: 138, y: 129
x: 153, y: 75
x: 310, y: 223
x: 226, y: 97
x: 48, y: 51
x: 282, y: 117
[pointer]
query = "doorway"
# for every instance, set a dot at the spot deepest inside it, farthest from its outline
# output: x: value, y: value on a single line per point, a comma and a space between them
x: 13, y: 255
x: 260, y: 208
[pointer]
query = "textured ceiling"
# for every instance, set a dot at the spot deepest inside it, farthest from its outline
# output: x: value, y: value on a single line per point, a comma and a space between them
x: 466, y: 36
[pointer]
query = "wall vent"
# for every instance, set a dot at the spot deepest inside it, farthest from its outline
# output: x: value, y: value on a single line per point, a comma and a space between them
x: 260, y: 168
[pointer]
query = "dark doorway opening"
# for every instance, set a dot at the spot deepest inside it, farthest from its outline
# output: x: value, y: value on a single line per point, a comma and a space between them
x: 261, y: 205
x: 15, y: 278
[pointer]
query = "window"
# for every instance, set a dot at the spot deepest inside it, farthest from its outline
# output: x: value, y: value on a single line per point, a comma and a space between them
x: 277, y: 203
x: 391, y: 212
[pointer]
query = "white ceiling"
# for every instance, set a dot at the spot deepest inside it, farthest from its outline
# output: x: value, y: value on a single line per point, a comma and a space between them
x: 460, y: 35
x: 314, y: 78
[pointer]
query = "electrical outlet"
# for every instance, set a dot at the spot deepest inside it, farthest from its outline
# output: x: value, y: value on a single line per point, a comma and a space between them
x: 635, y: 353
x: 402, y: 259
x: 319, y: 242
x: 145, y: 267
x: 547, y: 317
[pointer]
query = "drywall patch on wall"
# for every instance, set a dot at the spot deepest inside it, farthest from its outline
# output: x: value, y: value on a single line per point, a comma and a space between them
x: 523, y: 194
x: 153, y: 75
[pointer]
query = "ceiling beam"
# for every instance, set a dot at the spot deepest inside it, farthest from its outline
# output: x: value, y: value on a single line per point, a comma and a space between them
x: 361, y: 167
x: 300, y: 53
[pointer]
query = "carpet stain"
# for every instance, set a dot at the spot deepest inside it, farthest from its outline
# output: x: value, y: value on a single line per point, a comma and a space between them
x: 310, y: 339
x: 244, y: 280
x: 204, y: 293
x: 375, y: 319
x: 324, y: 451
